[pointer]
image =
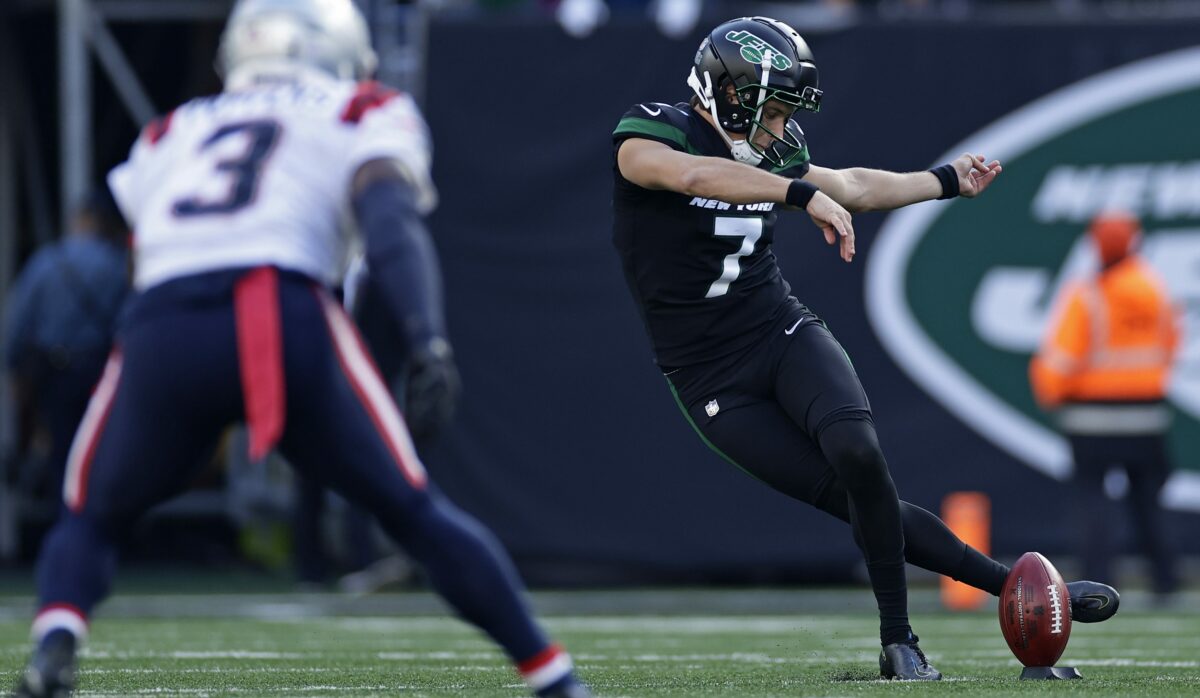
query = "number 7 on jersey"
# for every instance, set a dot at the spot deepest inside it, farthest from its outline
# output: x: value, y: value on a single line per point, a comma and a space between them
x: 750, y: 230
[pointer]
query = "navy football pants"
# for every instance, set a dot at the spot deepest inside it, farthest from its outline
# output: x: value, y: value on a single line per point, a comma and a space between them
x: 175, y: 382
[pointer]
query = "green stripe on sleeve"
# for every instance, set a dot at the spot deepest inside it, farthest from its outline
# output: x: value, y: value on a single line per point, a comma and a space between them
x: 699, y: 433
x: 632, y: 125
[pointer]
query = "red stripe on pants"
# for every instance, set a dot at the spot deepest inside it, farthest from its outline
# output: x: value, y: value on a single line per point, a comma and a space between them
x: 260, y: 358
x: 368, y: 386
x: 87, y: 437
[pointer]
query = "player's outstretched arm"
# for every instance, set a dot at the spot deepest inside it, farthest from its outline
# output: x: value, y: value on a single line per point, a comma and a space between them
x: 653, y: 165
x: 862, y: 189
x: 402, y: 261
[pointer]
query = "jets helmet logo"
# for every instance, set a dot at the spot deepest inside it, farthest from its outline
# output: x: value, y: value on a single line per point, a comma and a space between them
x: 753, y: 49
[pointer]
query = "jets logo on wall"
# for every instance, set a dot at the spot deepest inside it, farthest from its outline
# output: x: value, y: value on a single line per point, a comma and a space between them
x: 960, y: 292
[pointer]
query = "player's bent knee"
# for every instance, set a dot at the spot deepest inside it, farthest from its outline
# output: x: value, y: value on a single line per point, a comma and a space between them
x: 853, y: 450
x: 862, y: 469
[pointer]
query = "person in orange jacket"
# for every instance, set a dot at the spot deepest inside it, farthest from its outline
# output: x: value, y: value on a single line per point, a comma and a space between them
x: 1103, y: 368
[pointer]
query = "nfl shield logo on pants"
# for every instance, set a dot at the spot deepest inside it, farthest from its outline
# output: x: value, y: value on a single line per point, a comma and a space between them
x: 712, y: 408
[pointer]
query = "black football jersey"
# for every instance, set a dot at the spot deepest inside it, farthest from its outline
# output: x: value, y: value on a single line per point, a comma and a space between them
x: 702, y: 271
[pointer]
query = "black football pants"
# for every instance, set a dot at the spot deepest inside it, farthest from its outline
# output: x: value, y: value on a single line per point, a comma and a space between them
x: 792, y: 413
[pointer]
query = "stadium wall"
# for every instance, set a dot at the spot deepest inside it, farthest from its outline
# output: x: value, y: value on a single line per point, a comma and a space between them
x: 569, y: 443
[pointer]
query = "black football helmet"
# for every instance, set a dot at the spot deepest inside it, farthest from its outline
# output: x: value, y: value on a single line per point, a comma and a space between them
x: 762, y: 59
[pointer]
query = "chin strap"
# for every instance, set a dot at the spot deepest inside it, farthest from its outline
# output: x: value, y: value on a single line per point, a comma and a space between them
x: 762, y: 100
x: 741, y: 150
x: 704, y: 92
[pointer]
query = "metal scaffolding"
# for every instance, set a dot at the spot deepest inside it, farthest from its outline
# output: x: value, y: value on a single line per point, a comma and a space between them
x: 399, y: 33
x: 84, y: 35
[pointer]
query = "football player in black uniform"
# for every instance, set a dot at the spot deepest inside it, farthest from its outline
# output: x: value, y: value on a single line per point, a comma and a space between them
x: 759, y: 376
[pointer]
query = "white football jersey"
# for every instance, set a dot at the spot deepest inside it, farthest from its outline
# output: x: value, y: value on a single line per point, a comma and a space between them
x: 262, y: 176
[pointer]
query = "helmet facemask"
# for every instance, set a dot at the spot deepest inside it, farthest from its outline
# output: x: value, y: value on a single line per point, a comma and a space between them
x: 785, y: 146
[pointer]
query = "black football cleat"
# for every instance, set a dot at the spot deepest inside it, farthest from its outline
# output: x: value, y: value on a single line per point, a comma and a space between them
x: 905, y: 661
x: 1092, y: 602
x: 51, y: 670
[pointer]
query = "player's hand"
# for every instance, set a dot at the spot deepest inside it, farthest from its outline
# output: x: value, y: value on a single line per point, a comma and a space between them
x: 431, y: 389
x: 833, y: 220
x: 974, y: 175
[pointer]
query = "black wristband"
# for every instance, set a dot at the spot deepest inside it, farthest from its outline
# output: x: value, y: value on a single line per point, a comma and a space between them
x: 948, y: 176
x: 799, y: 193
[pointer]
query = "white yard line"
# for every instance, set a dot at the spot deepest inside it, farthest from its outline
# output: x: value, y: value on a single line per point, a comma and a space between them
x: 1125, y: 661
x: 390, y: 690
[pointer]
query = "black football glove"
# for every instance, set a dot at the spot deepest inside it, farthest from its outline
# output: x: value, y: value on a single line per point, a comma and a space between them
x: 431, y: 388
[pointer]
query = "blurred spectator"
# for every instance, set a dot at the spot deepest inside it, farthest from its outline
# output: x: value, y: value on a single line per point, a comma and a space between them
x: 945, y: 8
x: 61, y: 315
x: 1103, y: 368
x: 674, y: 18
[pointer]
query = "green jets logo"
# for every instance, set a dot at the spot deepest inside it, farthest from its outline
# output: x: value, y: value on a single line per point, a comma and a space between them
x: 754, y: 48
x: 960, y: 292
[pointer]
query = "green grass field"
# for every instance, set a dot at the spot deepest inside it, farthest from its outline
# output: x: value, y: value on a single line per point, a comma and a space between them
x: 287, y: 646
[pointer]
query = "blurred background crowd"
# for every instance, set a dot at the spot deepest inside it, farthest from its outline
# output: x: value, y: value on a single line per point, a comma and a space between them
x: 521, y: 96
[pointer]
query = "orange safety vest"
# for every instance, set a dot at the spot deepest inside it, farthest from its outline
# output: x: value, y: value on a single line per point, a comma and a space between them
x: 1113, y: 340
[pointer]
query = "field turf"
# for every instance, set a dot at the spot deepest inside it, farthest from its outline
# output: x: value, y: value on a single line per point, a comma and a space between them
x: 291, y: 646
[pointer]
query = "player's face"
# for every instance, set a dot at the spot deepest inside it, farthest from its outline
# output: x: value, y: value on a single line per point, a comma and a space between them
x: 775, y: 116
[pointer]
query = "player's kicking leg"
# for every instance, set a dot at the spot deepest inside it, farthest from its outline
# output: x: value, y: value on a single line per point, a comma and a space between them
x: 815, y: 391
x: 819, y: 391
x: 345, y: 430
x: 931, y: 545
x: 762, y: 440
x: 138, y: 442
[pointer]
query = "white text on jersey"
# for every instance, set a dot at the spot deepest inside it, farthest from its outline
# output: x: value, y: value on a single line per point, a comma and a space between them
x: 701, y: 202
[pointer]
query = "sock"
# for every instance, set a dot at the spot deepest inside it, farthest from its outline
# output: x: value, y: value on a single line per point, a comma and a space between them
x: 548, y: 670
x: 54, y: 619
x: 891, y: 594
x: 931, y: 545
x: 981, y: 571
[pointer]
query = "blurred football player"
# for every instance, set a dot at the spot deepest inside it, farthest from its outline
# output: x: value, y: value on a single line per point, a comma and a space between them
x: 237, y: 200
x: 1103, y: 368
x: 758, y: 374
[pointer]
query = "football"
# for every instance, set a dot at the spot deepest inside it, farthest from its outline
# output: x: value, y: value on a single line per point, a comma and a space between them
x: 1035, y: 613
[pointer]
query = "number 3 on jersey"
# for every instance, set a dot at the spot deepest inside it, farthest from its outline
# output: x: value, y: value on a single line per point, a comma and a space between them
x: 243, y: 170
x: 750, y: 230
